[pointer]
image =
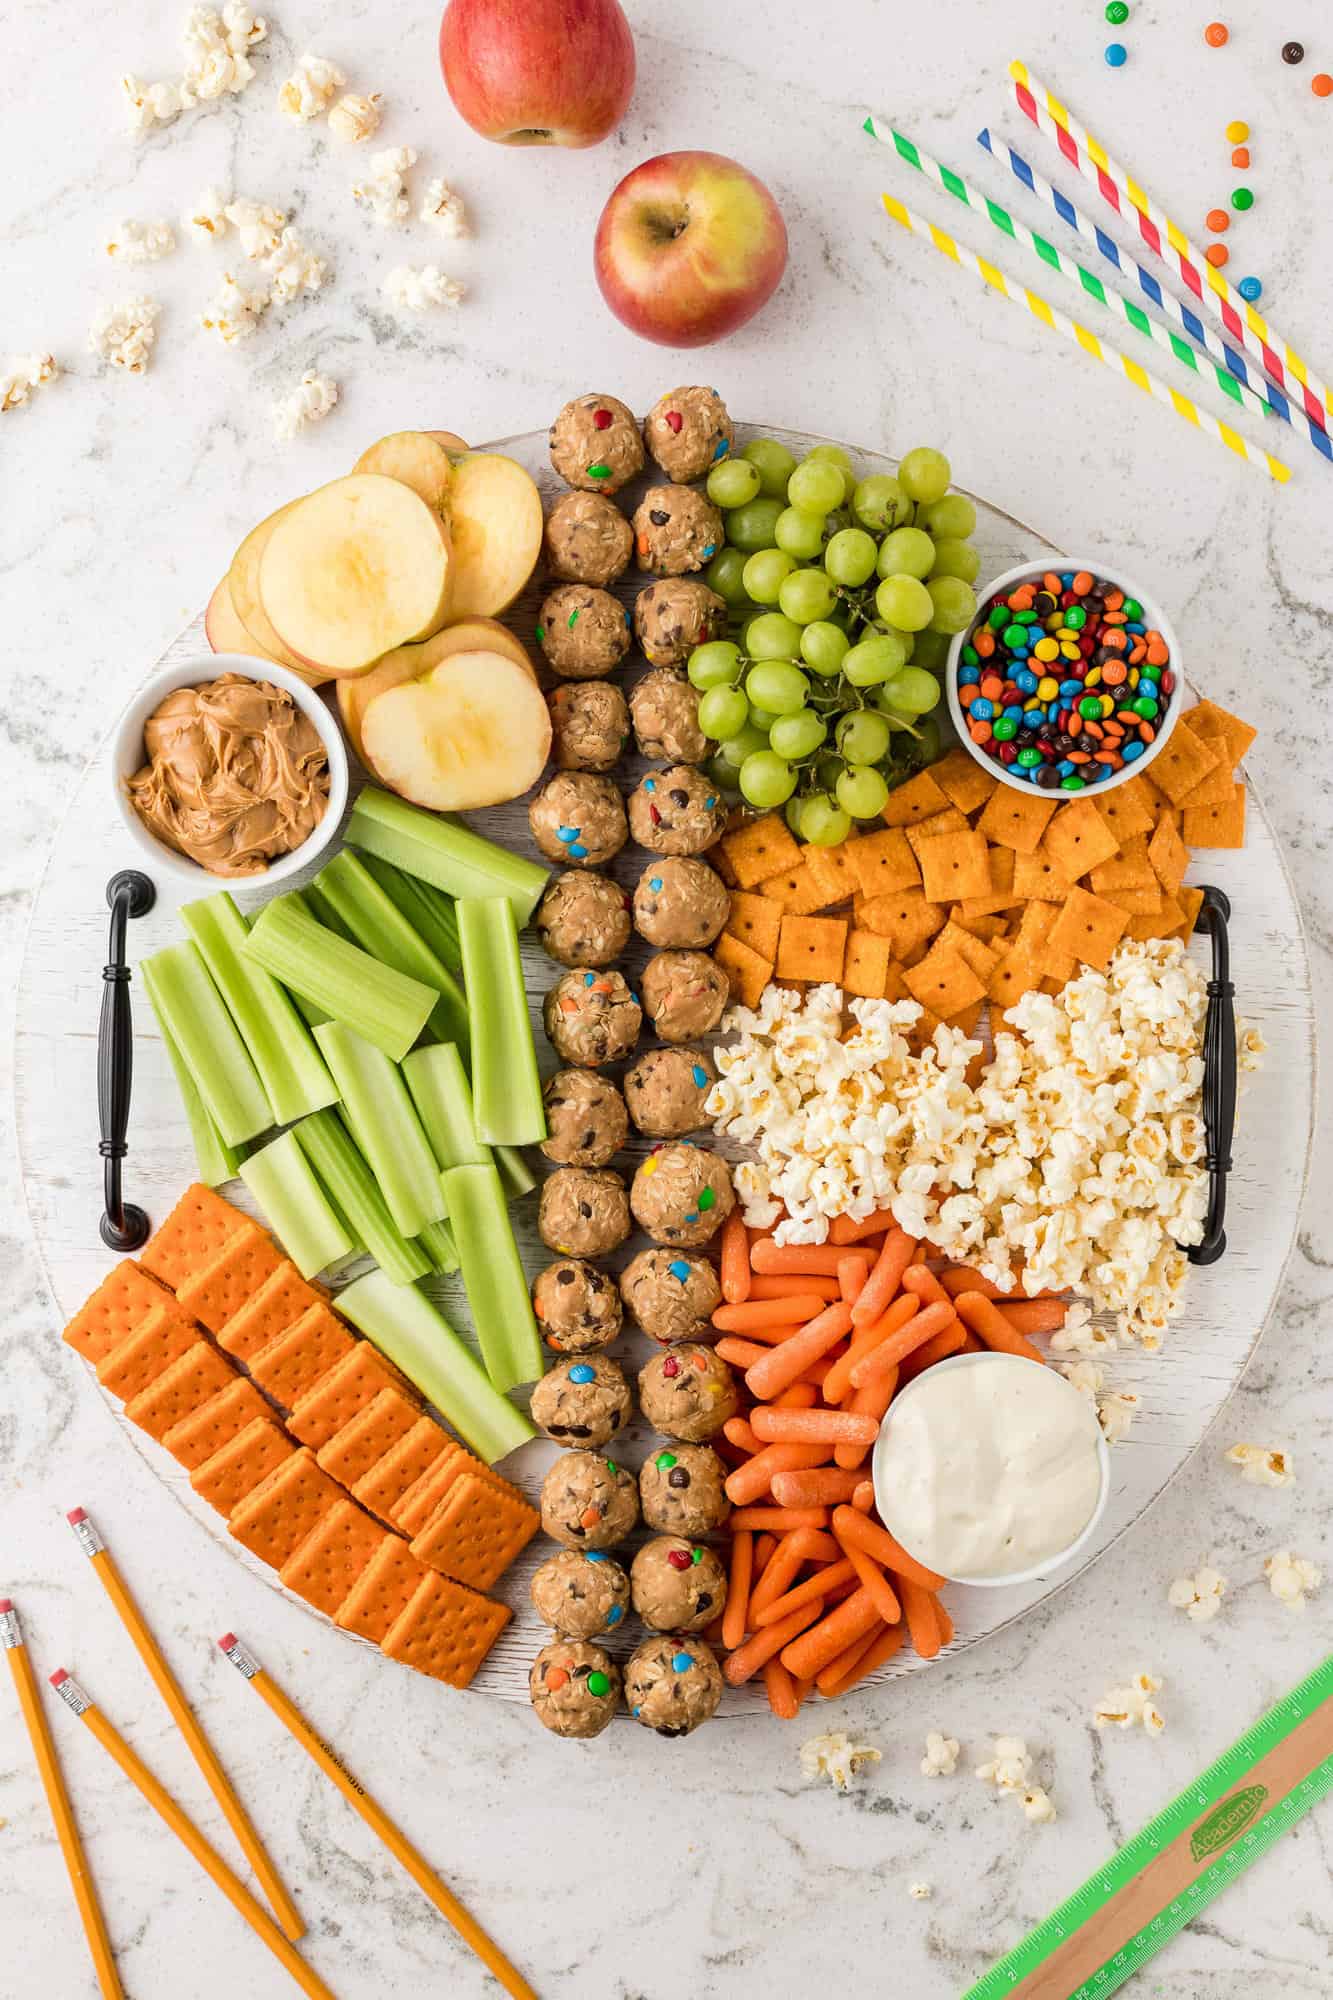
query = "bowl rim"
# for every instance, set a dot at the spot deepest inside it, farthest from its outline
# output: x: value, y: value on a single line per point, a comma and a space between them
x: 1024, y: 573
x: 1035, y: 1571
x: 127, y: 755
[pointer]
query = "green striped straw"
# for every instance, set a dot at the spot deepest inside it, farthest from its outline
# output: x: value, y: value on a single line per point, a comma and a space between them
x: 1073, y: 273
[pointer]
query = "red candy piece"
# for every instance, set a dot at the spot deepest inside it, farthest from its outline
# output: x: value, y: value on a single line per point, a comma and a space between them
x: 678, y: 1558
x: 602, y: 419
x: 670, y: 1366
x: 674, y: 420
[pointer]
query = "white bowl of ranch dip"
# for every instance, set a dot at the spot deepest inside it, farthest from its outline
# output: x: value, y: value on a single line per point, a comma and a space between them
x: 991, y: 1469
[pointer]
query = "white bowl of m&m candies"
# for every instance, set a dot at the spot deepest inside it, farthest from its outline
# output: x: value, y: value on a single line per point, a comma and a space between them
x: 1067, y: 680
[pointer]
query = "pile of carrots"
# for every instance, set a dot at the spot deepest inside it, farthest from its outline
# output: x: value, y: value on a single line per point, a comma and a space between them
x: 823, y: 1336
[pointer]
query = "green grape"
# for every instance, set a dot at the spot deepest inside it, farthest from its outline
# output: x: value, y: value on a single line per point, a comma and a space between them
x: 927, y: 733
x: 723, y: 712
x: 732, y: 482
x: 716, y: 664
x: 828, y: 770
x: 931, y: 648
x: 862, y: 792
x: 723, y: 575
x: 906, y: 552
x: 823, y: 823
x: 797, y: 735
x: 760, y: 719
x: 913, y: 692
x: 722, y: 773
x: 751, y: 526
x: 801, y: 535
x: 806, y: 594
x: 952, y: 519
x: 770, y: 636
x: 766, y: 780
x: 956, y: 559
x: 904, y: 601
x: 875, y: 659
x: 879, y: 503
x: 791, y: 812
x: 863, y: 738
x: 850, y: 557
x: 736, y: 749
x: 955, y: 604
x: 777, y: 686
x: 773, y: 462
x: 764, y: 572
x: 924, y: 475
x: 816, y: 487
x: 835, y: 455
x: 823, y: 646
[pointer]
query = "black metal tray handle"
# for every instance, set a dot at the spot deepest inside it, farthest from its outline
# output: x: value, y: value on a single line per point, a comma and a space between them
x: 1219, y: 1076
x: 123, y: 1226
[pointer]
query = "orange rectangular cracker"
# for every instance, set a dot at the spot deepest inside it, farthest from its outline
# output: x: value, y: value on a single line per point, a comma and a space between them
x: 1135, y: 902
x: 895, y: 983
x: 191, y: 1380
x: 1042, y: 877
x: 1016, y: 819
x: 755, y: 921
x: 948, y: 821
x: 1017, y: 973
x: 906, y: 919
x: 1126, y: 809
x: 1130, y: 869
x: 445, y: 1631
x: 884, y: 863
x: 401, y: 1466
x: 363, y: 1440
x: 1224, y: 730
x: 1191, y: 901
x: 973, y: 951
x: 274, y: 1520
x: 1217, y: 825
x: 1182, y: 761
x: 337, y: 1397
x: 944, y: 982
x: 1082, y: 836
x: 215, y: 1423
x: 967, y: 1020
x: 1161, y: 923
x: 747, y: 973
x: 121, y: 1303
x: 1168, y: 855
x: 1002, y: 896
x: 811, y: 948
x: 962, y: 780
x: 279, y: 1302
x: 1087, y: 928
x: 954, y: 866
x: 415, y: 1507
x: 143, y: 1355
x: 865, y: 964
x: 763, y: 848
x: 296, y: 1359
x: 198, y: 1227
x: 833, y: 871
x: 797, y: 890
x: 219, y: 1288
x: 477, y: 1533
x: 919, y: 798
x: 337, y: 1551
x: 242, y: 1464
x: 382, y: 1591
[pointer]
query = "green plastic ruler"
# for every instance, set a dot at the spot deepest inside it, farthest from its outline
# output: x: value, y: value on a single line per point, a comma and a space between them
x: 1174, y: 1866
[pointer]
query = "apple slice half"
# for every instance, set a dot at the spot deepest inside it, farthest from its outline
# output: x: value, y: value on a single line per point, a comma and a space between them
x: 474, y: 731
x: 243, y: 586
x: 418, y: 460
x: 449, y: 439
x: 497, y: 534
x: 224, y: 630
x: 355, y: 569
x: 409, y: 663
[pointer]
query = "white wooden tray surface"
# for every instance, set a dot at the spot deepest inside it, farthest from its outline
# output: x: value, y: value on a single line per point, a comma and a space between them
x: 1184, y: 1387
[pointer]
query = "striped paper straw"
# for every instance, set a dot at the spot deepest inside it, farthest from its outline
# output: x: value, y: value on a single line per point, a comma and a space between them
x: 1129, y: 200
x: 1073, y: 273
x: 1272, y: 398
x: 1070, y: 329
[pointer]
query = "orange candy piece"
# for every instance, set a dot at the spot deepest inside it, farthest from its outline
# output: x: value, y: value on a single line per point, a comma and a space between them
x: 1240, y: 156
x: 1216, y: 35
x: 1322, y: 85
x: 1218, y: 221
x: 1217, y: 255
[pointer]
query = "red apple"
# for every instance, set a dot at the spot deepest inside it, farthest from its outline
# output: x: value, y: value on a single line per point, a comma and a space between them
x: 689, y: 246
x: 538, y: 72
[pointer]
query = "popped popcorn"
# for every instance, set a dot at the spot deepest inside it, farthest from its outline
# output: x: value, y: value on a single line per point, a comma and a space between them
x: 1261, y: 1466
x: 294, y: 267
x: 309, y: 403
x: 444, y: 208
x: 217, y: 64
x: 941, y: 1758
x: 1199, y: 1596
x: 23, y: 373
x: 235, y: 313
x: 1116, y: 1411
x: 310, y: 89
x: 1010, y: 1771
x: 384, y: 190
x: 1250, y: 1049
x: 207, y: 220
x: 123, y: 334
x: 258, y: 226
x: 139, y: 242
x: 149, y: 104
x: 920, y: 1892
x: 1292, y: 1578
x: 1038, y: 1806
x: 355, y: 118
x: 837, y: 1758
x: 1079, y: 1336
x: 1122, y: 1707
x: 418, y: 288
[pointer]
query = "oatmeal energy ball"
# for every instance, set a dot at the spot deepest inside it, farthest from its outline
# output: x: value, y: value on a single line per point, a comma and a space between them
x: 687, y: 431
x: 676, y: 811
x: 664, y: 708
x: 685, y: 994
x: 583, y: 1593
x: 689, y: 1392
x: 585, y: 1118
x: 674, y: 616
x: 595, y: 444
x: 584, y: 919
x: 588, y: 539
x: 680, y: 900
x: 589, y: 725
x: 583, y: 632
x: 681, y: 1194
x: 670, y: 1295
x: 588, y: 1502
x: 591, y: 1017
x: 676, y: 1585
x: 665, y: 1092
x: 683, y: 1490
x: 675, y: 530
x: 583, y: 1402
x: 583, y: 1211
x: 574, y: 1687
x: 577, y: 1306
x: 579, y: 819
x: 672, y: 1685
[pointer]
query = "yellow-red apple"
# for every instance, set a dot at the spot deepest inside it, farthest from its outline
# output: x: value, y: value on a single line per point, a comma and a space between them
x: 538, y: 72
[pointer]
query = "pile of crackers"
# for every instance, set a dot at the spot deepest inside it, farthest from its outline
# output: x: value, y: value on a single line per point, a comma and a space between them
x: 974, y: 892
x: 314, y: 1447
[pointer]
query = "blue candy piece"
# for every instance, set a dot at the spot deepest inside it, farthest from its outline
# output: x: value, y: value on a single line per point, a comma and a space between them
x: 1026, y: 681
x: 693, y: 1215
x: 581, y: 1372
x: 615, y: 1614
x: 711, y: 550
x: 981, y: 709
x: 710, y: 802
x: 1132, y: 752
x: 681, y: 1662
x: 568, y: 833
x: 700, y: 1076
x: 1067, y: 578
x: 1065, y: 768
x: 655, y: 883
x: 679, y: 1269
x: 636, y: 1713
x: 721, y: 448
x: 650, y: 784
x: 1117, y: 55
x: 1014, y: 712
x: 594, y: 1555
x: 1071, y: 688
x: 1250, y: 289
x: 590, y: 978
x: 578, y: 852
x: 627, y: 618
x: 968, y: 676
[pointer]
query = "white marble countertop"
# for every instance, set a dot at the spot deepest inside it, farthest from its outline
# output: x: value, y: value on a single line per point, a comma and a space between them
x: 634, y: 1869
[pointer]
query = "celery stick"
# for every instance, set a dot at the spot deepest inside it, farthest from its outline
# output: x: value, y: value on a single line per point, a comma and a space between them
x: 439, y: 1086
x: 437, y: 1243
x: 383, y: 1006
x: 321, y: 909
x: 506, y: 1090
x: 216, y: 1160
x: 280, y: 1178
x: 417, y: 1338
x: 385, y: 1126
x: 309, y: 1012
x: 290, y: 1066
x: 379, y: 927
x: 209, y: 1043
x: 497, y: 1291
x: 350, y: 1186
x: 440, y: 851
x: 429, y: 911
x: 516, y: 1176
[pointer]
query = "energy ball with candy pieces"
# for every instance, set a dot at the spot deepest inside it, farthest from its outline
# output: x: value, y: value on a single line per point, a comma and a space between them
x: 579, y: 818
x: 589, y: 725
x: 676, y: 811
x: 575, y: 1688
x: 586, y: 1119
x: 682, y: 1195
x: 588, y: 539
x: 595, y: 444
x: 584, y: 919
x: 577, y: 1307
x: 583, y: 632
x: 672, y: 1685
x: 669, y: 1295
x: 591, y: 1017
x: 685, y: 994
x: 582, y: 1402
x: 673, y: 616
x: 664, y: 708
x: 683, y: 1490
x: 583, y: 1593
x: 680, y: 901
x: 675, y: 529
x: 583, y: 1211
x: 677, y: 1585
x: 666, y: 1090
x: 687, y: 431
x: 589, y: 1502
x: 689, y: 1392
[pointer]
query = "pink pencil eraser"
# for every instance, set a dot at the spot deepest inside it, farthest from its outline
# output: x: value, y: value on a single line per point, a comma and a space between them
x: 75, y: 1515
x: 227, y: 1641
x: 6, y: 1604
x: 58, y: 1677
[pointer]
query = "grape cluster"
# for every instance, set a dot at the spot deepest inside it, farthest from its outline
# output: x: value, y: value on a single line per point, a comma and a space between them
x: 847, y: 593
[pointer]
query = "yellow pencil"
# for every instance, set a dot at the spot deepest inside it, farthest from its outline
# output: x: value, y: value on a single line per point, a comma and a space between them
x: 377, y: 1820
x: 187, y: 1722
x: 189, y: 1835
x: 57, y: 1797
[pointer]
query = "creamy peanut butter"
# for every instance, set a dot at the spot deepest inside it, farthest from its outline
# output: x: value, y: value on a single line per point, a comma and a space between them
x: 236, y: 775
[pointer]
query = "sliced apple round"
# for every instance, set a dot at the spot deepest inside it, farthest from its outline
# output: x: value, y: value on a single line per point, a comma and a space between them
x: 409, y: 663
x: 355, y: 569
x: 224, y: 630
x: 474, y: 731
x: 418, y: 460
x: 497, y: 534
x: 449, y: 439
x: 243, y: 585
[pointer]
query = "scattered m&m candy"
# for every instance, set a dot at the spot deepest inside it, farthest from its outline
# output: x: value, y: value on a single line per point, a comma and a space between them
x: 1238, y: 131
x: 1322, y: 85
x: 1293, y: 52
x: 1250, y: 289
x: 1217, y: 35
x: 1117, y: 55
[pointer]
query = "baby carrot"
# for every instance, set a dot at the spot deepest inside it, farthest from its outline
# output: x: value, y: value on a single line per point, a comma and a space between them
x: 789, y: 1559
x: 971, y: 1344
x: 740, y: 1353
x: 794, y: 1309
x: 820, y: 1643
x: 735, y: 1268
x: 874, y: 1580
x: 961, y: 1279
x: 951, y: 1341
x: 765, y: 1548
x: 800, y: 1396
x: 843, y: 1229
x: 831, y: 1677
x: 735, y: 1618
x: 801, y: 1260
x: 824, y: 1486
x: 781, y: 1690
x: 863, y: 1499
x: 852, y: 1526
x: 737, y: 1431
x: 944, y: 1621
x: 825, y: 1427
x: 779, y: 1519
x: 852, y: 1274
x: 886, y: 1355
x: 881, y: 1649
x: 1035, y: 1315
x: 864, y: 1338
x: 924, y: 1284
x: 823, y: 1289
x: 752, y: 1480
x: 919, y: 1609
x: 871, y: 1401
x: 780, y: 1366
x: 881, y: 1286
x: 822, y: 1584
x: 745, y: 1662
x: 989, y: 1324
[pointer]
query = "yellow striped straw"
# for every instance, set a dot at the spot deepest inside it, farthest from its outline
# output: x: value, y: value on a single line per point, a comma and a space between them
x: 1151, y: 385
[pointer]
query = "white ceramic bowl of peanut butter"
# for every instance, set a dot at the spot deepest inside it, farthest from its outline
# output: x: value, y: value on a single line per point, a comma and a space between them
x: 991, y: 1470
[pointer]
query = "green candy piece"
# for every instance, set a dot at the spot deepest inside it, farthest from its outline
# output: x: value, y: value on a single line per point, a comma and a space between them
x: 598, y: 1683
x: 599, y: 471
x: 1004, y: 729
x: 998, y: 617
x: 541, y: 634
x: 1132, y: 608
x: 1090, y: 708
x: 612, y: 1467
x: 665, y: 1460
x: 1116, y: 12
x: 1152, y: 673
x: 572, y: 620
x: 1014, y: 635
x: 1025, y: 617
x: 1071, y: 783
x: 696, y: 1555
x: 1075, y: 620
x: 1144, y: 707
x: 971, y: 656
x: 1242, y: 199
x: 1029, y: 757
x: 706, y: 1197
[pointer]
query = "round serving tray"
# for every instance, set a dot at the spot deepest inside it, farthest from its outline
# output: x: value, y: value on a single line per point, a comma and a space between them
x: 1183, y: 1387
